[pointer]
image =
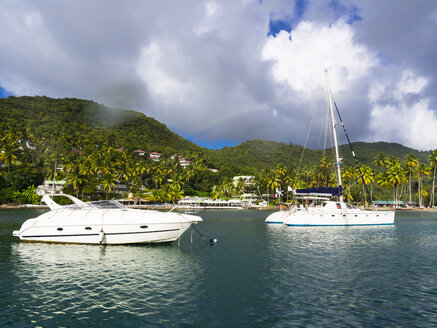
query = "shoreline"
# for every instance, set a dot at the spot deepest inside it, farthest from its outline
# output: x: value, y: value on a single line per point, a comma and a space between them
x: 167, y: 207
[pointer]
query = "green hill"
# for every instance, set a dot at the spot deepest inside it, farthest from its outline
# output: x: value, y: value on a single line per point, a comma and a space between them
x: 366, y: 151
x: 260, y: 154
x: 74, y: 123
x: 66, y: 124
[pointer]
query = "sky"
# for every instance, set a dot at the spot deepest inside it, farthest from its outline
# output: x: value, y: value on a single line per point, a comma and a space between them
x: 223, y: 72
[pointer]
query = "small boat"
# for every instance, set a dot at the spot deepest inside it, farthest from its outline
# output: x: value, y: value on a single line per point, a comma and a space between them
x: 326, y: 212
x: 103, y: 222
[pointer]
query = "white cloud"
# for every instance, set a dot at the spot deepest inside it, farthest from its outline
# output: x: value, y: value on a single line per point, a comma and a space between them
x: 400, y: 113
x: 208, y: 69
x: 164, y: 86
x: 301, y: 56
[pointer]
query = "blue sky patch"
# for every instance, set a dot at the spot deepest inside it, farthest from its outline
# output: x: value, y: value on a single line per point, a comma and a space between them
x: 341, y: 10
x: 4, y: 93
x: 276, y: 26
x: 216, y: 144
x: 288, y: 23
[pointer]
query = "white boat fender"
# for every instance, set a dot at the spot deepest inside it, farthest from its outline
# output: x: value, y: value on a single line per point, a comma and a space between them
x: 101, y: 236
x: 212, y: 241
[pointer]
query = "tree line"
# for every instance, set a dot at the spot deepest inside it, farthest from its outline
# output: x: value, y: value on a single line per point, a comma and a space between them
x: 93, y: 171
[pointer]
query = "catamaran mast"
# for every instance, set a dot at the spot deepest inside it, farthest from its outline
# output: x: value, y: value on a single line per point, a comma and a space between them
x: 334, y: 125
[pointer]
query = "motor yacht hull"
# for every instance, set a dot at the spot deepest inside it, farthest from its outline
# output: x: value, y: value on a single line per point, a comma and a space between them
x: 99, y: 226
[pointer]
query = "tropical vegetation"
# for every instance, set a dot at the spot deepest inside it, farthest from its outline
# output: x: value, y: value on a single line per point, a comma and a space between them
x: 91, y: 148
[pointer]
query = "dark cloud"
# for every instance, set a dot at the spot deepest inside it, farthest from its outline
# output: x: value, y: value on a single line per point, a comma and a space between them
x: 199, y: 66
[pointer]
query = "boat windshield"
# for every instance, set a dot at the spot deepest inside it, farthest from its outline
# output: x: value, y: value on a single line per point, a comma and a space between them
x: 351, y: 206
x: 107, y: 204
x: 317, y: 204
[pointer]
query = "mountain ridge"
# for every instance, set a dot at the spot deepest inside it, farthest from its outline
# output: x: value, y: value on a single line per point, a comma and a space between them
x: 70, y: 123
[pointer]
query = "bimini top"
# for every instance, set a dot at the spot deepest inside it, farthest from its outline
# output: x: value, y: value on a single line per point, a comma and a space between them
x: 326, y: 192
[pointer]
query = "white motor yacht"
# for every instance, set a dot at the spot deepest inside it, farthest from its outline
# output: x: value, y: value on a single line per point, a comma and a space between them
x: 103, y: 222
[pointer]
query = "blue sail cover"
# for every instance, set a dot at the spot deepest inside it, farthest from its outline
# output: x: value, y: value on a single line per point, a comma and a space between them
x: 331, y: 191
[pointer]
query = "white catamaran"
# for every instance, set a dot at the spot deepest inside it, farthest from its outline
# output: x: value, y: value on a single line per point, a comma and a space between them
x: 326, y: 212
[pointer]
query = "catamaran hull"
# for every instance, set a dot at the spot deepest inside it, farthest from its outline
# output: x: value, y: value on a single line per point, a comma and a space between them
x: 339, y: 219
x: 276, y: 217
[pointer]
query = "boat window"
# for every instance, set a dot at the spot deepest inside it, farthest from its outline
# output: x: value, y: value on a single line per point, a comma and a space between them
x: 107, y: 204
x: 350, y: 206
x: 338, y: 205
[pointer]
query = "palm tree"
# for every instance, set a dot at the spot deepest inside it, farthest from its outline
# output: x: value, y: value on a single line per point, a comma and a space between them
x: 240, y: 185
x: 258, y: 181
x: 280, y: 171
x: 411, y: 162
x: 158, y: 177
x: 215, y: 193
x: 380, y: 160
x: 165, y: 193
x: 287, y: 179
x: 368, y: 178
x: 397, y: 177
x: 433, y: 163
x: 7, y: 154
x: 86, y: 168
x: 349, y: 175
x: 273, y: 183
x: 176, y: 193
x: 384, y: 181
x: 227, y: 187
x: 154, y: 196
x: 108, y: 181
x: 303, y: 179
x: 423, y: 172
x: 324, y: 167
x: 124, y: 173
x: 76, y: 178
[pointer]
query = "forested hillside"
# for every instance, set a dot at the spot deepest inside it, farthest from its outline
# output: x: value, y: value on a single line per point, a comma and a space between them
x: 60, y: 125
x: 94, y: 145
x: 367, y: 151
x: 72, y: 123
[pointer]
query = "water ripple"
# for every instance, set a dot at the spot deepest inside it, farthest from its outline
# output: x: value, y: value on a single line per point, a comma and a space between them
x: 256, y: 276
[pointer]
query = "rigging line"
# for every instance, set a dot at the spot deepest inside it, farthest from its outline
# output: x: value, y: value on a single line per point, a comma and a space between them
x: 353, y: 153
x: 304, y: 147
x: 353, y: 184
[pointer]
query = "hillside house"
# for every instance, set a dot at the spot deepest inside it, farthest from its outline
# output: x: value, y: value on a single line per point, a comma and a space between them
x: 154, y: 156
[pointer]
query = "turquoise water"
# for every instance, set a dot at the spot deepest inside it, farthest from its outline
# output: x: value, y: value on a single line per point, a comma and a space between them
x: 257, y: 275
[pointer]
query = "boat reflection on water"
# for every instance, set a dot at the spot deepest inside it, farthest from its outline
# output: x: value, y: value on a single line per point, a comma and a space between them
x: 319, y: 240
x: 69, y: 281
